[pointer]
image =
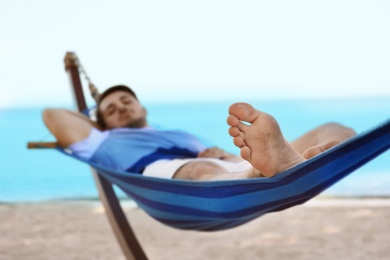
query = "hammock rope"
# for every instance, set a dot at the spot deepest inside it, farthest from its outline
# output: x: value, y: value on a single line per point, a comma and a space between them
x: 92, y: 87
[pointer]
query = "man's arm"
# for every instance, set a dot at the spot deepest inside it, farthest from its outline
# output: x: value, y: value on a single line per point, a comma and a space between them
x: 68, y: 127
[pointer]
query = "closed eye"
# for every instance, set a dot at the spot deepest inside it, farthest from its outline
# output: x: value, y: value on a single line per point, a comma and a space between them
x: 110, y: 110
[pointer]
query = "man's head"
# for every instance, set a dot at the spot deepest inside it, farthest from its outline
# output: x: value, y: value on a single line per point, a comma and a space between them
x: 118, y: 106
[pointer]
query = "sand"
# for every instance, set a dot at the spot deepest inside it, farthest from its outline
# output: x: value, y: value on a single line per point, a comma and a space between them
x: 320, y: 229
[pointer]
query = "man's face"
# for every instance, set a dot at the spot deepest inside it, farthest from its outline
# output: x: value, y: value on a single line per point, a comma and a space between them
x: 121, y: 109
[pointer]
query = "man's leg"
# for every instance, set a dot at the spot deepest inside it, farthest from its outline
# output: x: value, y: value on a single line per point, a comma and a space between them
x: 203, y: 170
x: 321, y: 139
x: 263, y: 145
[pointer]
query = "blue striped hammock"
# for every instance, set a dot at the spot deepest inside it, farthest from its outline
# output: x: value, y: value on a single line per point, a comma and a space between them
x: 219, y: 205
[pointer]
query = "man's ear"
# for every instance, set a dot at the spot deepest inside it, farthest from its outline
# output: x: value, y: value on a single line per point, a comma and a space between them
x: 146, y: 111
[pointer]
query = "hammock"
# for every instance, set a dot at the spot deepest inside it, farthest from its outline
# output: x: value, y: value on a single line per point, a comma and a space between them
x: 218, y: 205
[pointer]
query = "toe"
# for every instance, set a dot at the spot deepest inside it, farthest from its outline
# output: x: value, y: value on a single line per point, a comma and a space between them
x: 232, y: 120
x: 234, y: 131
x: 311, y: 152
x: 238, y: 141
x: 245, y: 153
x: 243, y: 112
x: 314, y: 150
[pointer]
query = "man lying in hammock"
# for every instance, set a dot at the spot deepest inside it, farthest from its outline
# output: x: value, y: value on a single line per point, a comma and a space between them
x: 122, y: 139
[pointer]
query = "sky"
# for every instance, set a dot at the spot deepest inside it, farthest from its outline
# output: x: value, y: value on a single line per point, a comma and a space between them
x: 178, y: 50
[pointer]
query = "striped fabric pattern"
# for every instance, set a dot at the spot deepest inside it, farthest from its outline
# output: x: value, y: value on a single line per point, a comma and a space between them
x: 219, y: 205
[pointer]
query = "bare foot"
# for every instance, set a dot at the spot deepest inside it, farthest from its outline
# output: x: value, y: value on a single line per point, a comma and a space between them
x: 261, y: 142
x: 314, y: 150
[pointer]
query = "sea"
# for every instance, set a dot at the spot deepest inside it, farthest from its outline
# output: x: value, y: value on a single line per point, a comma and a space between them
x: 31, y: 175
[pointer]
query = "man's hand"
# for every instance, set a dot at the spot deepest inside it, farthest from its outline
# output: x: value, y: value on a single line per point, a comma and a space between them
x: 217, y: 153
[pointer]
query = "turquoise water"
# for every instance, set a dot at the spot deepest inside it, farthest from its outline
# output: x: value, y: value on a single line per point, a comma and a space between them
x: 33, y: 175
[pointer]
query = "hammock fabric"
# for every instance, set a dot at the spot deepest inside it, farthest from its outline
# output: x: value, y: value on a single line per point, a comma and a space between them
x: 219, y: 205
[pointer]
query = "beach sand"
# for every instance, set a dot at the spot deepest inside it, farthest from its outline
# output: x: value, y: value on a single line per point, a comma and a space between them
x: 319, y: 229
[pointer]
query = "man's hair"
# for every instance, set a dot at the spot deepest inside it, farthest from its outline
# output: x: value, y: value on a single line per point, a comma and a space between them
x: 99, y: 114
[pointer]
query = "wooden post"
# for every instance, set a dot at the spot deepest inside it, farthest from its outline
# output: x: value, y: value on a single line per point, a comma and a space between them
x: 128, y: 242
x: 35, y: 145
x: 71, y: 67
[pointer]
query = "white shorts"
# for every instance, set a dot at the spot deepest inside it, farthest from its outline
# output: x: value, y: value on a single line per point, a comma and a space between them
x: 167, y: 168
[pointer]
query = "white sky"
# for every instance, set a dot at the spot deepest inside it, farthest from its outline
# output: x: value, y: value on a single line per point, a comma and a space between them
x: 196, y: 50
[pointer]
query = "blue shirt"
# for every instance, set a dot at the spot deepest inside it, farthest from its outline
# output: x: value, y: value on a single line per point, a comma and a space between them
x: 132, y: 149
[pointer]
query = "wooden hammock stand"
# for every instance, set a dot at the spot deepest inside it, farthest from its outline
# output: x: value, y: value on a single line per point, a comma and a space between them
x: 127, y: 240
